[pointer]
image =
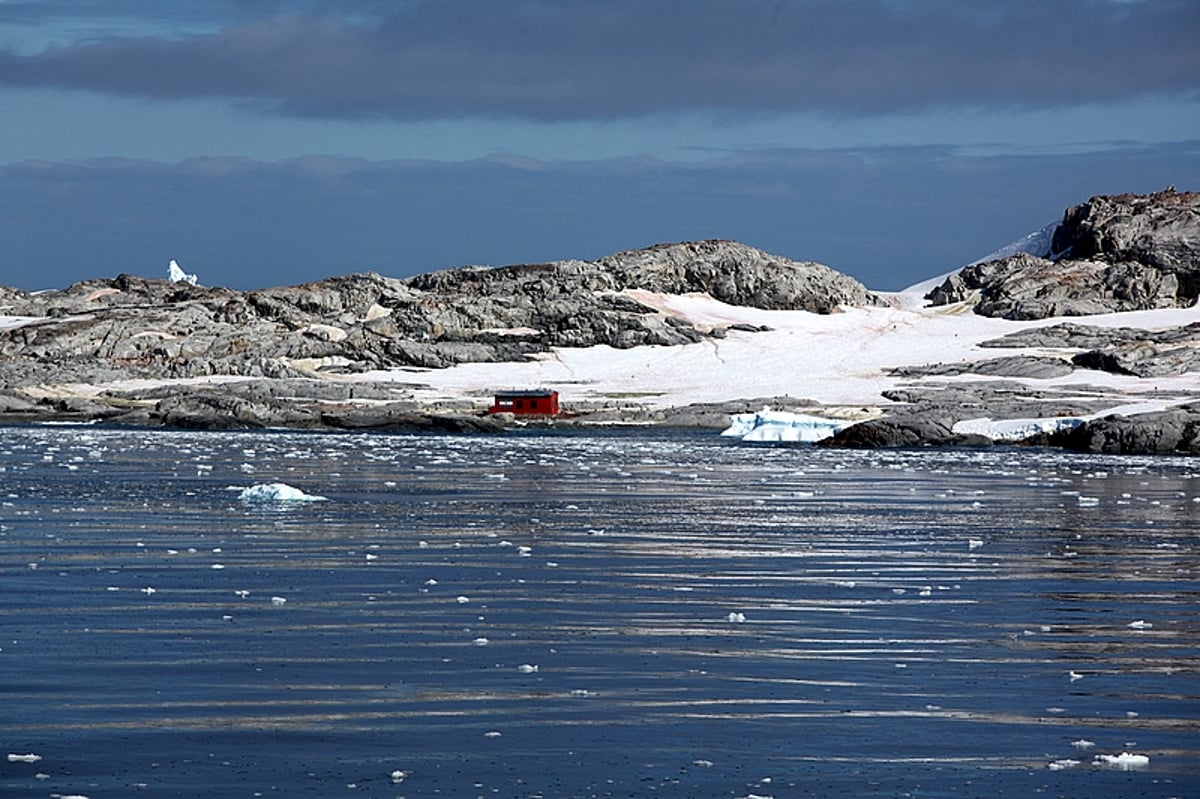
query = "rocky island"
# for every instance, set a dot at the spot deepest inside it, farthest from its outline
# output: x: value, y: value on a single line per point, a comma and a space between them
x: 1097, y: 327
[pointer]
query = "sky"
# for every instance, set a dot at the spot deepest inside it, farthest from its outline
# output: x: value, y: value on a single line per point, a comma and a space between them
x: 274, y: 142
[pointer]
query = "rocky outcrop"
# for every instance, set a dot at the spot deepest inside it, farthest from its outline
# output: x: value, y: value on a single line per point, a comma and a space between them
x: 1170, y: 432
x: 927, y: 415
x: 1113, y: 253
x: 1025, y: 366
x: 1120, y: 350
x: 102, y: 330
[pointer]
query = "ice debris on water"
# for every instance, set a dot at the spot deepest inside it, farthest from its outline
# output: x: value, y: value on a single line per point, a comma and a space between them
x: 29, y: 758
x: 1140, y: 624
x: 737, y: 618
x: 276, y: 492
x: 1059, y: 765
x: 398, y: 776
x: 527, y: 668
x: 1124, y: 761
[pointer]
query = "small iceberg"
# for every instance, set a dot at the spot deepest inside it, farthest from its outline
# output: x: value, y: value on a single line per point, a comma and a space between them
x: 176, y: 274
x: 782, y: 426
x: 276, y: 492
x: 1124, y: 761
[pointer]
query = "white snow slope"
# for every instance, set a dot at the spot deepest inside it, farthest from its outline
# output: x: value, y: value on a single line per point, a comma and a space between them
x: 838, y: 359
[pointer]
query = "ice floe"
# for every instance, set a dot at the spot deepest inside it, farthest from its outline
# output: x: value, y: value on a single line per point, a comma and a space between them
x: 29, y: 758
x: 1125, y: 761
x: 276, y: 492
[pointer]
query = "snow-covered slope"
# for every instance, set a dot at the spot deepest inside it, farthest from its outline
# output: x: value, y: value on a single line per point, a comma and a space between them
x: 1036, y: 243
x: 839, y: 359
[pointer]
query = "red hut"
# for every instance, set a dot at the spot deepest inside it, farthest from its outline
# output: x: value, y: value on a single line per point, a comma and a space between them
x: 537, y: 402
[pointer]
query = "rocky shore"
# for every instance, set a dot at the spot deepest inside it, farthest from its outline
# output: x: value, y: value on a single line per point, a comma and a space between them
x: 366, y: 352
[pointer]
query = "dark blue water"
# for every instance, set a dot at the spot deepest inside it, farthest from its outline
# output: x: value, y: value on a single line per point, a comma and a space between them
x: 659, y: 614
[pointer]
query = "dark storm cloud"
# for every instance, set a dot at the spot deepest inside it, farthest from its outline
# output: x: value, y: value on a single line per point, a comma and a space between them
x: 890, y: 216
x: 558, y: 60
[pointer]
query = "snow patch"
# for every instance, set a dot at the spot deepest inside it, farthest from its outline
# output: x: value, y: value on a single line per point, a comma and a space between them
x: 1014, y: 429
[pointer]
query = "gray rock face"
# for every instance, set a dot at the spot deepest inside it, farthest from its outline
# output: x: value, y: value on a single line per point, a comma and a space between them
x: 1113, y: 253
x: 1121, y: 350
x: 1175, y: 431
x: 1026, y: 366
x: 738, y: 275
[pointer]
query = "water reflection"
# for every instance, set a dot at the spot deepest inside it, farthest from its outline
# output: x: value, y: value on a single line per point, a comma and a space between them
x: 591, y: 615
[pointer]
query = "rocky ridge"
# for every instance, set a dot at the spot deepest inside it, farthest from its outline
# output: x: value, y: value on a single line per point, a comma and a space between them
x: 1113, y: 253
x: 134, y: 327
x: 131, y: 328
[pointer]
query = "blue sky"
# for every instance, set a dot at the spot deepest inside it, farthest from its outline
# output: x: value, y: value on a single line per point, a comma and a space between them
x: 269, y: 142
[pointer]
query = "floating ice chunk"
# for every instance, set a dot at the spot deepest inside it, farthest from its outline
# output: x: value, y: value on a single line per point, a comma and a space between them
x: 398, y: 776
x: 1087, y: 502
x: 782, y: 426
x: 29, y: 758
x: 1074, y: 675
x: 148, y: 591
x: 974, y: 543
x: 1059, y: 765
x: 176, y: 274
x: 276, y: 492
x: 462, y: 600
x: 1124, y: 761
x: 737, y: 618
x: 1140, y: 624
x: 481, y: 641
x: 491, y: 734
x: 278, y: 600
x: 1083, y: 743
x: 527, y: 668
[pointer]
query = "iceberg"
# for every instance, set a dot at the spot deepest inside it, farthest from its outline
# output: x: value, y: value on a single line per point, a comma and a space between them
x: 276, y: 492
x: 176, y: 274
x: 782, y: 426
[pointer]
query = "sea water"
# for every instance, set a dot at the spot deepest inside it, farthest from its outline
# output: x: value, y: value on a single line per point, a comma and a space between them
x: 245, y: 614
